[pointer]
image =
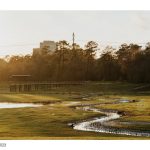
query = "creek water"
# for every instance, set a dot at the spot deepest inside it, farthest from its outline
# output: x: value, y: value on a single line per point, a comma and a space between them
x: 18, y: 105
x: 98, y: 124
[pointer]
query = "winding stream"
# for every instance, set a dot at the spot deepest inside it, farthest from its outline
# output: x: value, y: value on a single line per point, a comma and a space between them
x: 98, y: 124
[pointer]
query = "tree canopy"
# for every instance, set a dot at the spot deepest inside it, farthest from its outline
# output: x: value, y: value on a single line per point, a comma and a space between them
x: 72, y: 63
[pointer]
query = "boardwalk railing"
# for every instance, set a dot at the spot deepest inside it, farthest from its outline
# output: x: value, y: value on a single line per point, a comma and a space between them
x: 38, y: 86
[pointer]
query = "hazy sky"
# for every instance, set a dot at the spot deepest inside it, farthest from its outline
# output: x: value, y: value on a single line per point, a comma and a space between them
x: 21, y: 31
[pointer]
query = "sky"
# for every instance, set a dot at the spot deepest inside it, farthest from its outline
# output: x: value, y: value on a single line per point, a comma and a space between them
x: 21, y: 31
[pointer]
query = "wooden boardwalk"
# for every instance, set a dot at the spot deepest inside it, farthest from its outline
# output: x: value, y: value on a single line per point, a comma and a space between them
x: 28, y: 87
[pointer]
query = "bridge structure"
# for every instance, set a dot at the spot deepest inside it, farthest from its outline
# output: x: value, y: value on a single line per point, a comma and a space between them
x: 42, y: 86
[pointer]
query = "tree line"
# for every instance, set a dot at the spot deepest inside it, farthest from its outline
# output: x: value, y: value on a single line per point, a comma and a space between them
x: 130, y: 62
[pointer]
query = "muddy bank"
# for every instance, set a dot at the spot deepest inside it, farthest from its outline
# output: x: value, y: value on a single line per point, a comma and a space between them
x: 47, y: 102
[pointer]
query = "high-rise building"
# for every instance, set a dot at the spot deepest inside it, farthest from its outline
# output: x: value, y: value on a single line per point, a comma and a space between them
x: 50, y: 45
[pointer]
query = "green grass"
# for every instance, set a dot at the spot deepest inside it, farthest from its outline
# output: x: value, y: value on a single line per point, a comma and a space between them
x: 50, y: 121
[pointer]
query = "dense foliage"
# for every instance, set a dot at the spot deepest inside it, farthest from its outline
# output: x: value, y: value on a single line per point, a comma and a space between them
x: 72, y: 63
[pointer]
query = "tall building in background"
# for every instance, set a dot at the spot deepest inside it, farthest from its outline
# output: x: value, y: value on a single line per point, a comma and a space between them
x: 50, y: 45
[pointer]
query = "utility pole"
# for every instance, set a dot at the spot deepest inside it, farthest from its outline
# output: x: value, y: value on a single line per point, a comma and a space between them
x: 73, y: 39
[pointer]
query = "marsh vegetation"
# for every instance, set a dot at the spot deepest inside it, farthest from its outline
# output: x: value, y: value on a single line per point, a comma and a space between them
x: 53, y: 119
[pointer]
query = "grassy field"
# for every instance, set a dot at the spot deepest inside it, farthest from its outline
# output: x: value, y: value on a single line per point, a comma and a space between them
x: 51, y: 121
